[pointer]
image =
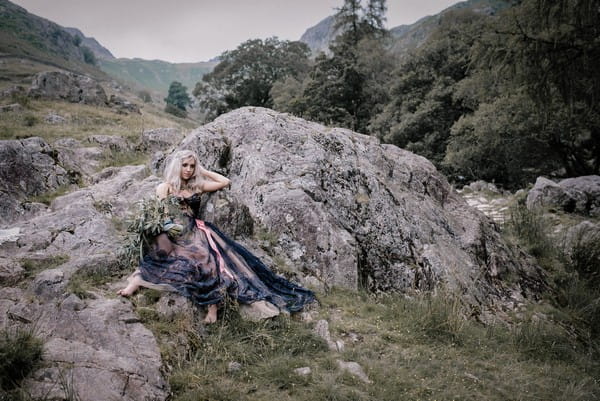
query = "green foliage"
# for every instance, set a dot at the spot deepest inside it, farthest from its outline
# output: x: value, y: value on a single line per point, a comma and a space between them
x: 177, y: 99
x: 501, y: 141
x: 29, y: 120
x: 245, y: 76
x: 145, y: 96
x: 145, y: 225
x: 20, y: 354
x: 88, y: 55
x: 77, y: 40
x: 349, y: 87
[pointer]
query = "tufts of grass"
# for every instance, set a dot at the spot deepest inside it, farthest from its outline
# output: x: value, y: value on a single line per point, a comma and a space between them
x: 47, y: 197
x: 20, y: 354
x: 118, y: 158
x: 33, y: 266
x: 84, y: 281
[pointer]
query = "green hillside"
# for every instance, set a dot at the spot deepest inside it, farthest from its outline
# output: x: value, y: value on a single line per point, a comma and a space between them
x: 156, y: 75
x: 26, y: 36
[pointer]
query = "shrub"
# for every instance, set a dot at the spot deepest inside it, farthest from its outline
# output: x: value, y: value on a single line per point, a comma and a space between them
x: 20, y: 354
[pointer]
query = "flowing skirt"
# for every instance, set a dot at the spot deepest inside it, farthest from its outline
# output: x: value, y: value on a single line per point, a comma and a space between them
x: 204, y: 265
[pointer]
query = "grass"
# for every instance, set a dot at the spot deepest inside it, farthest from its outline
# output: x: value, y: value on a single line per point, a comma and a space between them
x: 20, y: 354
x: 83, y: 121
x: 84, y: 281
x: 412, y: 348
x: 47, y: 197
x: 32, y: 266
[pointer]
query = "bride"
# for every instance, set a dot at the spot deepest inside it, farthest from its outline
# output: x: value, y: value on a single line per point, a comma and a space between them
x: 195, y: 259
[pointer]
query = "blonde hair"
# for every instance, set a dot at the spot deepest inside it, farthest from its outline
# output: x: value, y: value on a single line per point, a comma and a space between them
x: 173, y: 172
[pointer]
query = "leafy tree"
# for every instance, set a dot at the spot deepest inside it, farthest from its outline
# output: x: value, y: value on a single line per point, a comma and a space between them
x: 423, y: 104
x: 177, y: 99
x: 552, y: 49
x: 245, y: 76
x: 344, y: 89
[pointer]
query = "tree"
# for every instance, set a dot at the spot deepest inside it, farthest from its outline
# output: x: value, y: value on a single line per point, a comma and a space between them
x: 423, y: 102
x: 245, y: 76
x: 177, y: 99
x: 344, y: 88
x: 552, y: 49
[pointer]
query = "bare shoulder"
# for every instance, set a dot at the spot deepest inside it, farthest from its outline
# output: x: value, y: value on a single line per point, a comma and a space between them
x: 162, y: 190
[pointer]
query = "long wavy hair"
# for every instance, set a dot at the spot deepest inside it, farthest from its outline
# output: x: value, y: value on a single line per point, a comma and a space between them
x: 173, y: 172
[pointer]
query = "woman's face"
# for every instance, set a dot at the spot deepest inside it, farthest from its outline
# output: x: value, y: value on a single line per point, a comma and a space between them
x: 188, y: 166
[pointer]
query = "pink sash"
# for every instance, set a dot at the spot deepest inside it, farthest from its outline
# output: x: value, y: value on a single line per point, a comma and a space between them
x: 201, y: 226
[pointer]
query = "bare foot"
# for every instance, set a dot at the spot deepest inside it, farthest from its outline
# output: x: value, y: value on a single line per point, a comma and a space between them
x: 132, y: 286
x: 211, y: 315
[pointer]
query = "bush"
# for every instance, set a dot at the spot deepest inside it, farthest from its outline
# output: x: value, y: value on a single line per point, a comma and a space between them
x: 20, y: 354
x: 88, y: 55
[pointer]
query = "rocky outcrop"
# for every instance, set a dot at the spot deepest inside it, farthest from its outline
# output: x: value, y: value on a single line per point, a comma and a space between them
x: 160, y: 139
x: 353, y: 212
x: 95, y: 347
x: 27, y: 168
x: 69, y: 87
x: 572, y: 195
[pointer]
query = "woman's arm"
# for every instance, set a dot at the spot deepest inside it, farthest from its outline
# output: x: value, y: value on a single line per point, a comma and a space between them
x: 217, y: 181
x: 162, y: 190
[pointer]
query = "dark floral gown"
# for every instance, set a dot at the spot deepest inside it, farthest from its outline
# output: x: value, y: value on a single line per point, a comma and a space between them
x: 205, y: 265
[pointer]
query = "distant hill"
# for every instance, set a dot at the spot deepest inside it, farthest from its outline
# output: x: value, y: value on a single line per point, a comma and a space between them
x: 100, y: 51
x: 156, y: 75
x: 404, y: 37
x: 42, y: 42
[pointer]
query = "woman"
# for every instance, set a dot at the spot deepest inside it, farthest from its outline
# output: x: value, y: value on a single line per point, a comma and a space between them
x: 199, y: 261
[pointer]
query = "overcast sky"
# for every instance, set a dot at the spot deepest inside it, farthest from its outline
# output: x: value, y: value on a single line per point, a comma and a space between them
x: 198, y: 30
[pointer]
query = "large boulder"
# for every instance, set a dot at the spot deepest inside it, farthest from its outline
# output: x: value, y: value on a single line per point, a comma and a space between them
x: 573, y: 195
x: 27, y: 168
x: 353, y: 212
x: 67, y: 86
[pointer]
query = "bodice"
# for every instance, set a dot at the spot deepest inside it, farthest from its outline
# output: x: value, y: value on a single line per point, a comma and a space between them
x: 192, y: 203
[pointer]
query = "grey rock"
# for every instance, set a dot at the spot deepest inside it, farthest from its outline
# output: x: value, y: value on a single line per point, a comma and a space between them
x: 160, y: 139
x: 123, y: 105
x: 49, y: 284
x: 27, y: 168
x: 11, y: 108
x: 259, y: 310
x: 52, y: 118
x: 354, y: 369
x: 573, y: 195
x: 234, y: 367
x: 73, y: 303
x: 582, y: 233
x: 171, y: 305
x: 321, y: 329
x: 346, y: 209
x: 480, y: 185
x: 10, y: 272
x: 67, y: 86
x: 305, y: 371
x: 106, y: 355
x: 110, y: 142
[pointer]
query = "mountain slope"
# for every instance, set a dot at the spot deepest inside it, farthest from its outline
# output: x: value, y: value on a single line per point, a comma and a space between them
x: 156, y: 75
x: 24, y: 35
x: 404, y: 37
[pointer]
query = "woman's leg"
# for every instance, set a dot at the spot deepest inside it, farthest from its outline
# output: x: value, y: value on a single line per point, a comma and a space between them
x: 211, y: 314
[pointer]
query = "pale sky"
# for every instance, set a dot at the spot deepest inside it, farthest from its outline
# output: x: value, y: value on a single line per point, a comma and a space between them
x: 198, y: 30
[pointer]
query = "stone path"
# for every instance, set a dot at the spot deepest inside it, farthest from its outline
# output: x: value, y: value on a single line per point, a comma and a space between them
x: 495, y: 207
